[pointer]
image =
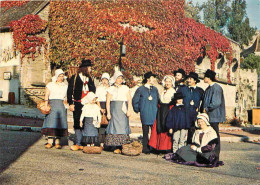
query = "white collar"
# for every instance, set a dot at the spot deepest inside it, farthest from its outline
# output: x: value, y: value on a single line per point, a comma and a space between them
x: 179, y: 104
x: 213, y: 83
x: 83, y: 78
x: 193, y: 87
x: 147, y: 86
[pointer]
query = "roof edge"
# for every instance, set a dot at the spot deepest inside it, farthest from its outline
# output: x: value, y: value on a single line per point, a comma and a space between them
x: 37, y: 11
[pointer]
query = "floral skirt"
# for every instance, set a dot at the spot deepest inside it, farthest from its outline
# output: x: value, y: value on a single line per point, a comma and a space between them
x: 116, y: 139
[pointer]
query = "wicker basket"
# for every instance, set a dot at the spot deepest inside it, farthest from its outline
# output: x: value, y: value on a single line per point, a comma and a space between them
x: 92, y: 149
x: 133, y: 149
x: 41, y: 106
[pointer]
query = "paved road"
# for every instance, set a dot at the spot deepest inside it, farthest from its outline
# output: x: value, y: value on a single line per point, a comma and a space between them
x: 25, y: 161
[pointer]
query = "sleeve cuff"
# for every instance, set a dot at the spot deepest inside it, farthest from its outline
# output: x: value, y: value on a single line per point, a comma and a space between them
x: 199, y: 150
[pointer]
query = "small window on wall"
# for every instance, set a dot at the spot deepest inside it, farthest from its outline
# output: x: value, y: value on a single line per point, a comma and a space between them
x: 244, y: 104
x: 236, y: 97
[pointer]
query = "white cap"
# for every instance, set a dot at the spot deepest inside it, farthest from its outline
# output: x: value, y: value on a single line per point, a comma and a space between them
x: 204, y: 117
x: 115, y: 76
x: 105, y: 75
x: 169, y: 77
x: 88, y: 99
x: 57, y: 73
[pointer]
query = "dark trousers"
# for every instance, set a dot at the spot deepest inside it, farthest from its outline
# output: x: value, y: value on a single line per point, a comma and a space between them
x: 77, y: 114
x: 76, y: 118
x: 215, y: 126
x: 145, y: 128
x: 190, y: 134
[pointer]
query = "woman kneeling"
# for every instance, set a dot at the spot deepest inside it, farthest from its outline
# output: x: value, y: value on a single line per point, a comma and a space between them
x: 202, y: 150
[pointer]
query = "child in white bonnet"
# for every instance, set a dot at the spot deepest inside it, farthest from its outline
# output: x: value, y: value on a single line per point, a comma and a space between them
x: 90, y: 120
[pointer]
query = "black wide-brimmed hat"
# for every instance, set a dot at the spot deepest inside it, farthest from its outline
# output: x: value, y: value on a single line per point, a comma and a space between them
x: 195, y: 76
x: 85, y: 63
x: 180, y: 70
x: 148, y: 75
x: 177, y: 96
x: 210, y: 74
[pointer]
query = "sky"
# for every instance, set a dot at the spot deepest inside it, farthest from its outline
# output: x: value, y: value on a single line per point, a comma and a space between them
x: 253, y: 11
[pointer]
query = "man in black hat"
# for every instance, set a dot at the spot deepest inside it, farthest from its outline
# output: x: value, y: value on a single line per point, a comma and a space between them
x: 214, y: 103
x: 180, y: 76
x: 79, y: 86
x: 145, y: 101
x: 194, y: 98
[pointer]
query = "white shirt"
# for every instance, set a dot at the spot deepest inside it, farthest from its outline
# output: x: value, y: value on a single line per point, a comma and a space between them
x: 92, y: 111
x: 167, y: 95
x: 118, y: 93
x: 57, y: 90
x: 102, y: 93
x: 84, y: 79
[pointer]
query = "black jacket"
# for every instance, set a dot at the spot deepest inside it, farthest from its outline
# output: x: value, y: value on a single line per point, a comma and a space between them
x: 78, y: 88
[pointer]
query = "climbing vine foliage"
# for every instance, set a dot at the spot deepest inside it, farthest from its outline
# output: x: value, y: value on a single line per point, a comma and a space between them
x: 157, y: 35
x: 25, y: 34
x: 9, y: 4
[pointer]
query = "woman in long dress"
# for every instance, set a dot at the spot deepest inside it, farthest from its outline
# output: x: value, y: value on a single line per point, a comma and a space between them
x: 55, y: 124
x: 118, y: 103
x: 160, y: 140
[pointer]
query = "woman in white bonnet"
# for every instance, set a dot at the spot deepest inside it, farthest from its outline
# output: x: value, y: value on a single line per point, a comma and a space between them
x: 55, y: 124
x: 202, y: 151
x: 118, y: 103
x: 160, y: 140
x: 101, y: 101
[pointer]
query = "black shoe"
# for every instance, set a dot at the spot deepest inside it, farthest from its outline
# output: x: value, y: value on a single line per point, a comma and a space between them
x: 146, y: 152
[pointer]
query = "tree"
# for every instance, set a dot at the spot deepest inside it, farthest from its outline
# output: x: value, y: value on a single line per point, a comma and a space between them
x: 238, y: 26
x: 192, y: 11
x: 252, y: 62
x: 216, y: 14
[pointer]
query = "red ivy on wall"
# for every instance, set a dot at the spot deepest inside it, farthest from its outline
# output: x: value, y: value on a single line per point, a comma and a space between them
x: 94, y: 30
x: 9, y: 4
x: 197, y: 35
x: 25, y: 35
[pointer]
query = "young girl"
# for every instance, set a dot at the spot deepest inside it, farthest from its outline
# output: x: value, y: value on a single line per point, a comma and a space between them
x: 90, y: 119
x: 101, y: 101
x: 177, y: 122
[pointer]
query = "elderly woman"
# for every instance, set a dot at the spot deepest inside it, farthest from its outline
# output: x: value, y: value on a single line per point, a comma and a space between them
x: 101, y: 101
x: 160, y: 140
x: 118, y: 103
x: 202, y: 150
x: 55, y: 124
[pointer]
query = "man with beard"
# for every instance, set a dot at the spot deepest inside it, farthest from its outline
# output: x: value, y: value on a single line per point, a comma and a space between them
x: 180, y: 87
x: 194, y: 98
x: 79, y: 86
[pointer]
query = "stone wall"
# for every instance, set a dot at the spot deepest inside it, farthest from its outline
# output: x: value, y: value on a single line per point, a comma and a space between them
x: 247, y: 93
x: 37, y: 72
x: 9, y: 62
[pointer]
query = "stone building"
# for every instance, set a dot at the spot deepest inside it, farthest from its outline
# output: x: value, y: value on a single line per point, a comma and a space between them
x: 26, y: 74
x: 29, y: 75
x: 254, y: 48
x: 240, y: 94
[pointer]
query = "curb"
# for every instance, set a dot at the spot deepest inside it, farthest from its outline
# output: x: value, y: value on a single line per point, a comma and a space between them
x: 133, y: 135
x: 20, y: 128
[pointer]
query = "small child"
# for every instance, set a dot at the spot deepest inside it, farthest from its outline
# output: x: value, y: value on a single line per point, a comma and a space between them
x: 177, y: 122
x: 90, y: 119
